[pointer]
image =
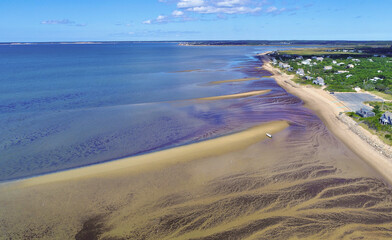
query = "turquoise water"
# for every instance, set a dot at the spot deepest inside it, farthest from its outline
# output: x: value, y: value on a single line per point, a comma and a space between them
x: 66, y: 106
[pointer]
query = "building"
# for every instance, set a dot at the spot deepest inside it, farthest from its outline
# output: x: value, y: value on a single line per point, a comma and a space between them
x: 375, y: 79
x: 350, y: 66
x: 283, y: 65
x: 371, y: 60
x: 341, y: 71
x: 326, y: 68
x: 319, y: 59
x: 356, y: 60
x: 306, y: 62
x: 334, y: 62
x: 350, y: 75
x: 299, y: 58
x: 364, y: 112
x: 308, y: 78
x: 386, y: 118
x: 300, y: 72
x: 319, y: 81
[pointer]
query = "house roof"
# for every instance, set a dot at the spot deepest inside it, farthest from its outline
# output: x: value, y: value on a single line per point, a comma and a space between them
x: 388, y: 114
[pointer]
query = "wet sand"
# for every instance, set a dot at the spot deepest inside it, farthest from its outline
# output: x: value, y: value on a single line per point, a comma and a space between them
x: 233, y: 96
x: 234, y: 80
x: 304, y: 183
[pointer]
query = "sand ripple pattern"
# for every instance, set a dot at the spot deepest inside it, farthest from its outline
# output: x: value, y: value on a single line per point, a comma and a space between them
x: 317, y: 204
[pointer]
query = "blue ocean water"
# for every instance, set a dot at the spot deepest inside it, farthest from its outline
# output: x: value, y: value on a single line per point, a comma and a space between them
x: 66, y: 106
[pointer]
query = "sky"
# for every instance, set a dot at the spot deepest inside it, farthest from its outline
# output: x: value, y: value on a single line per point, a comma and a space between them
x: 160, y: 20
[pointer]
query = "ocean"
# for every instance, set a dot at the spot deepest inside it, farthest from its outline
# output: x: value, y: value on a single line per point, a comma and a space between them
x: 66, y: 105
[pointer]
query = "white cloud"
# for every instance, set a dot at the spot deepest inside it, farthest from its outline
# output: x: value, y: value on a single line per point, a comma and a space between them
x: 230, y: 3
x: 63, y: 22
x: 177, y: 13
x: 226, y: 10
x: 161, y: 18
x: 190, y: 3
x: 271, y: 9
x: 275, y: 11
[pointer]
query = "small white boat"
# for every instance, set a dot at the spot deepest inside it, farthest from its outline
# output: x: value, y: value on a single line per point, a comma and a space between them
x: 268, y: 135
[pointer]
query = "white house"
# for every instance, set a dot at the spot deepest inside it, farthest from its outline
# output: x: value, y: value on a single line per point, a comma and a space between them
x: 306, y: 62
x: 326, y: 68
x: 356, y: 60
x: 334, y: 62
x: 341, y: 71
x: 379, y: 71
x: 371, y: 60
x: 350, y: 66
x: 350, y: 75
x: 375, y: 79
x: 283, y: 65
x: 308, y: 78
x: 349, y: 57
x: 319, y: 81
x: 299, y: 58
x: 319, y: 59
x: 300, y: 72
x: 386, y: 118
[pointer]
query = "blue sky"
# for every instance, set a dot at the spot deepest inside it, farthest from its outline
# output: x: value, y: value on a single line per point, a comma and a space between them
x: 131, y: 20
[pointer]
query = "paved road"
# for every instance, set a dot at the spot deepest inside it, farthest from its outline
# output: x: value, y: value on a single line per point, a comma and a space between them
x: 354, y: 101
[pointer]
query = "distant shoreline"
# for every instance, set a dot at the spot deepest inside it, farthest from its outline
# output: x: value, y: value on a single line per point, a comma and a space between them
x: 355, y: 137
x: 345, y: 43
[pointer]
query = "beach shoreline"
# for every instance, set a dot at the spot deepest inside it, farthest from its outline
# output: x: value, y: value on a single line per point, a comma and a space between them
x: 159, y: 159
x: 366, y: 145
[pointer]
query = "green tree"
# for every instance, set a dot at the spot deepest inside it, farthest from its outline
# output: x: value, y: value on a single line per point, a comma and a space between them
x: 376, y: 110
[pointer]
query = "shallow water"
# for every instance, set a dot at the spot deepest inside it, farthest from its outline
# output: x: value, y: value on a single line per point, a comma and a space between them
x: 65, y: 106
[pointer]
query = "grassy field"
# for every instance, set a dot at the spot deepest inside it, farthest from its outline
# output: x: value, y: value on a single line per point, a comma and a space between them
x: 315, y: 51
x: 383, y: 95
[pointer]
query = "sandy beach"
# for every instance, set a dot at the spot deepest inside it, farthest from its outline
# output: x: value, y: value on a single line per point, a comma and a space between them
x: 329, y: 109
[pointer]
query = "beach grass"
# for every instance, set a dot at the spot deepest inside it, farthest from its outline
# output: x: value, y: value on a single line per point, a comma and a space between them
x: 382, y: 95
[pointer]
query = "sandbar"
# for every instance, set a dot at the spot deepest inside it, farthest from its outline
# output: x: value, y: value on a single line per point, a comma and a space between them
x: 204, y: 149
x: 235, y: 80
x: 236, y: 95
